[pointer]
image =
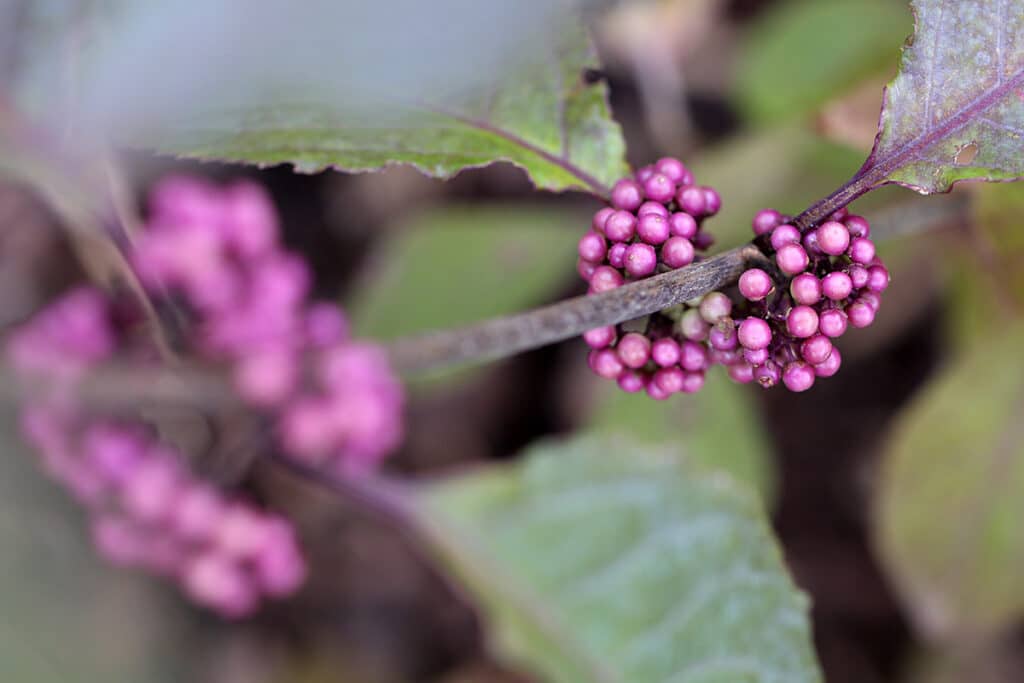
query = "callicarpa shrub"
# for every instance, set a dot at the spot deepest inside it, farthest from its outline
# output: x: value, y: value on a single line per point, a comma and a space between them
x: 331, y: 402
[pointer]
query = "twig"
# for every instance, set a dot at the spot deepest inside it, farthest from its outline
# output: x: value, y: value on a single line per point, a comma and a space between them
x: 500, y: 337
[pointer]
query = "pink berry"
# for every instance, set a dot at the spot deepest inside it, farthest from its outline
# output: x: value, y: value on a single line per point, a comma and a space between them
x: 592, y: 247
x: 715, y: 306
x: 798, y: 376
x: 620, y: 226
x: 862, y: 250
x: 830, y: 366
x: 652, y: 229
x: 693, y: 382
x: 792, y: 259
x: 756, y: 356
x: 640, y: 260
x: 692, y: 200
x: 659, y: 188
x: 816, y: 349
x: 712, y: 201
x: 597, y: 224
x: 805, y: 289
x: 655, y: 208
x: 878, y: 279
x: 860, y: 314
x: 605, y: 278
x: 755, y: 333
x: 755, y: 284
x: 677, y: 252
x: 693, y: 356
x: 617, y: 254
x: 670, y: 380
x: 741, y: 373
x: 857, y: 226
x: 765, y: 221
x: 723, y: 337
x: 266, y: 377
x: 645, y: 172
x: 586, y: 269
x: 600, y: 337
x: 627, y: 195
x: 634, y: 350
x: 605, y: 363
x: 674, y: 170
x: 802, y: 322
x: 833, y: 238
x: 784, y: 234
x: 768, y: 375
x: 665, y: 352
x: 837, y: 285
x: 630, y: 381
x: 832, y: 323
x: 682, y: 225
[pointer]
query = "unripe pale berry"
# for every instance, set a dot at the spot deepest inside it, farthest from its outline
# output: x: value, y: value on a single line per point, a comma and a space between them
x: 715, y: 306
x: 791, y: 259
x: 805, y: 289
x: 693, y: 326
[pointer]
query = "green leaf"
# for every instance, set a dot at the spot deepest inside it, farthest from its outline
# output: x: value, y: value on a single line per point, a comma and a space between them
x: 457, y: 265
x: 535, y: 109
x: 720, y: 427
x: 956, y: 109
x: 598, y: 561
x: 952, y: 493
x: 801, y: 54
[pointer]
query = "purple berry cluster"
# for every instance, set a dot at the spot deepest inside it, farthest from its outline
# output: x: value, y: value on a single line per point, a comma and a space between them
x: 654, y: 224
x: 781, y: 326
x: 217, y: 251
x: 146, y: 509
x: 828, y: 278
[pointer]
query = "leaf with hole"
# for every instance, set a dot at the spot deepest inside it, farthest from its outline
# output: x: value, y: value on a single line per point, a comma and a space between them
x: 598, y: 561
x: 955, y: 111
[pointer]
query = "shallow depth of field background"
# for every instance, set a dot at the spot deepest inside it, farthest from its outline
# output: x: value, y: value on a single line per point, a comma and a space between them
x: 774, y: 103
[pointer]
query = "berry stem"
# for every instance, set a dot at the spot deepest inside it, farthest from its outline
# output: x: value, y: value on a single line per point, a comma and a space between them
x: 860, y: 184
x: 501, y: 337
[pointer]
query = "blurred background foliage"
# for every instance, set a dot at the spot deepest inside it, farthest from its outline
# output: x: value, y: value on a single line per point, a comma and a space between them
x: 894, y: 488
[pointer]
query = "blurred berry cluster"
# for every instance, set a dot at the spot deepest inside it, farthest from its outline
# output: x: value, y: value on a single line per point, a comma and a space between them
x: 214, y: 254
x: 778, y: 327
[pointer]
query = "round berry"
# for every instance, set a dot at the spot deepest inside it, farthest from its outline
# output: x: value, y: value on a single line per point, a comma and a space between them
x: 768, y: 374
x: 839, y: 214
x: 755, y: 284
x: 693, y: 382
x: 655, y: 208
x: 792, y: 259
x: 833, y: 238
x: 693, y: 356
x: 860, y: 314
x: 670, y: 380
x: 677, y: 252
x: 805, y: 289
x: 712, y: 201
x: 674, y: 170
x: 741, y: 373
x: 600, y: 337
x: 857, y: 226
x: 634, y: 350
x: 605, y: 363
x: 693, y: 326
x: 724, y: 357
x: 654, y: 390
x: 723, y: 337
x: 755, y: 356
x: 604, y: 279
x: 642, y: 174
x: 659, y: 188
x: 755, y: 333
x: 641, y: 259
x: 878, y: 278
x: 600, y: 217
x: 765, y: 221
x: 692, y: 200
x: 630, y: 381
x: 784, y: 234
x: 703, y: 240
x: 652, y: 229
x: 620, y: 226
x: 682, y: 225
x: 871, y: 299
x: 859, y: 276
x: 816, y: 349
x: 832, y: 323
x: 837, y: 286
x: 810, y: 242
x: 665, y: 352
x: 715, y: 306
x: 592, y: 247
x: 798, y: 376
x: 617, y: 254
x: 802, y: 322
x: 862, y: 250
x: 830, y: 366
x: 627, y: 195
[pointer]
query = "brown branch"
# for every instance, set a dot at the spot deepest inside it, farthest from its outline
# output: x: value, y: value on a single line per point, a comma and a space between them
x: 501, y: 337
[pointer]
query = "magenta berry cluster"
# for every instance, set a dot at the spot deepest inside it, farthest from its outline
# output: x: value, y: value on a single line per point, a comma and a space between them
x: 827, y: 279
x: 146, y: 509
x: 778, y: 328
x: 217, y: 252
x: 654, y: 224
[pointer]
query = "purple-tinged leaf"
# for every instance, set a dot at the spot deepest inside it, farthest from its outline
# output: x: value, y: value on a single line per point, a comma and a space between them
x: 956, y: 109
